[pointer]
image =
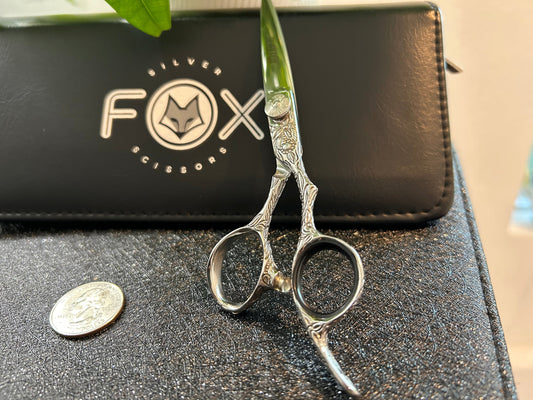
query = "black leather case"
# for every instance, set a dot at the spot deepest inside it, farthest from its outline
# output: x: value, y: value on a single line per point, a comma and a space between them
x: 98, y: 120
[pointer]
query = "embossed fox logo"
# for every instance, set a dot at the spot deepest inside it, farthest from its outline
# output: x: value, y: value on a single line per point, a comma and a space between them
x: 181, y: 120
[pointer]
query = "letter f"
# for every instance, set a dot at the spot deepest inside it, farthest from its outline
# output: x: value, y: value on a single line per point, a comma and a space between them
x: 110, y: 113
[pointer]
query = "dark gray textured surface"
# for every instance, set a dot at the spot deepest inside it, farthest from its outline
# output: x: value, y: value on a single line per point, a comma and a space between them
x: 426, y: 325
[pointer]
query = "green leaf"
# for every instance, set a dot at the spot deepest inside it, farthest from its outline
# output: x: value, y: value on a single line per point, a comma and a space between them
x: 150, y: 16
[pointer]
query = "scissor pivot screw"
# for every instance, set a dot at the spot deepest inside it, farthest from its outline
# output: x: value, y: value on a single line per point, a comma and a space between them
x: 278, y: 106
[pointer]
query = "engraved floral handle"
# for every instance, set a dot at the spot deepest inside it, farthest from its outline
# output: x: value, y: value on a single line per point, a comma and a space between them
x: 288, y: 150
x: 270, y: 277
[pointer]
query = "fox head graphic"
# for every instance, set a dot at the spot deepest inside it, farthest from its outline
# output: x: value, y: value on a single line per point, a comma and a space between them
x: 181, y: 120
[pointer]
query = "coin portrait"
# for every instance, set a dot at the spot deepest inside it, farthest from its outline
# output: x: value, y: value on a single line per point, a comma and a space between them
x: 87, y: 309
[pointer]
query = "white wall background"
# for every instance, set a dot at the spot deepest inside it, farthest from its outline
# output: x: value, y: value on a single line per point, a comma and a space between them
x: 491, y: 111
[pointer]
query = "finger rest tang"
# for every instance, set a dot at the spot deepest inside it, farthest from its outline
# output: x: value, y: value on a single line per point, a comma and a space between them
x: 319, y: 333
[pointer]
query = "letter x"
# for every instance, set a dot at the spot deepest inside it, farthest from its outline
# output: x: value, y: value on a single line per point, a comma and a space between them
x: 242, y: 114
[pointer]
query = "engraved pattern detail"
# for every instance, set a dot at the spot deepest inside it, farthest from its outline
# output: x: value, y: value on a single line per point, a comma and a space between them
x: 261, y: 221
x: 288, y: 151
x: 285, y: 139
x: 270, y: 276
x: 316, y: 329
x: 308, y: 193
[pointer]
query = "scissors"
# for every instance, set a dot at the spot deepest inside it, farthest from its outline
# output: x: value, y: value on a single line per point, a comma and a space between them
x: 281, y: 111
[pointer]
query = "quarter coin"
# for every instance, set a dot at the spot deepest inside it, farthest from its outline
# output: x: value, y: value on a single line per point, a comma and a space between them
x: 87, y: 309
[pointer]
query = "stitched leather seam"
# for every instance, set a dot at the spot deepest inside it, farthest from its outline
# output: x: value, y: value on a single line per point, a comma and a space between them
x: 163, y: 215
x: 447, y: 182
x: 446, y: 185
x: 498, y: 338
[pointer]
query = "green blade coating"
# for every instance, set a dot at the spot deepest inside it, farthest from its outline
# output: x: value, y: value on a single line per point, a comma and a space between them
x: 277, y: 74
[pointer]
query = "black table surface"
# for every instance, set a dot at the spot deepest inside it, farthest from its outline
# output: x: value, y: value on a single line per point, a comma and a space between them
x: 426, y: 325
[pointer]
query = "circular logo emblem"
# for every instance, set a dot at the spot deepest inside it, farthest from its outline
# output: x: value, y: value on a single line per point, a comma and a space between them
x: 181, y: 114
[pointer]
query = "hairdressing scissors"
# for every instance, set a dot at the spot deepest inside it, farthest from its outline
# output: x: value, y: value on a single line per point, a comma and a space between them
x: 281, y: 111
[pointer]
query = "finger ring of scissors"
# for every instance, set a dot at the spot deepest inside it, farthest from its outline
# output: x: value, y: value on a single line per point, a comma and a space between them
x: 283, y: 124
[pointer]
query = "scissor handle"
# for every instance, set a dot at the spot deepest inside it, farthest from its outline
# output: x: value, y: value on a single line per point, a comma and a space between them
x: 214, y: 272
x: 269, y: 277
x: 318, y: 323
x: 315, y: 245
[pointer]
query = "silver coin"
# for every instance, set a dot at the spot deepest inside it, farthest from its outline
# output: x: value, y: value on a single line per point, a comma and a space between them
x: 87, y: 309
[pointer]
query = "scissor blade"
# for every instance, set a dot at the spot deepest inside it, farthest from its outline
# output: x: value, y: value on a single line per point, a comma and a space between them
x: 277, y: 74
